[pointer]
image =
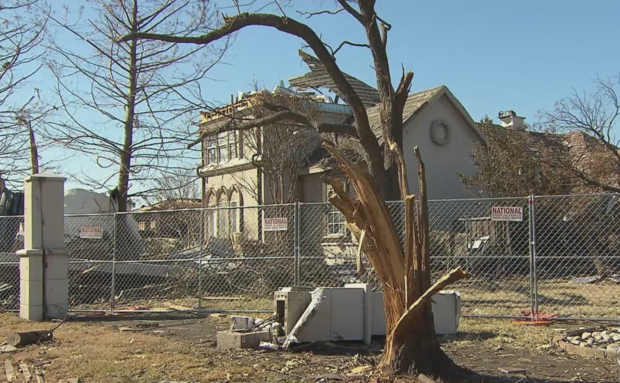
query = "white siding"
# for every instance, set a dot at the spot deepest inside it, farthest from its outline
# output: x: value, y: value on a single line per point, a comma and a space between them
x: 443, y: 163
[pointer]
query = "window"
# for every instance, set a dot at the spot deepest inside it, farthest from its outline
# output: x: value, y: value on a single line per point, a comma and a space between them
x: 222, y: 229
x: 222, y: 149
x: 235, y: 216
x: 211, y: 217
x: 232, y: 145
x: 335, y: 219
x: 211, y: 152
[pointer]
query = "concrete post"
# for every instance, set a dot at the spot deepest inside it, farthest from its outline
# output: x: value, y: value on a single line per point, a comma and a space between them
x: 43, y: 263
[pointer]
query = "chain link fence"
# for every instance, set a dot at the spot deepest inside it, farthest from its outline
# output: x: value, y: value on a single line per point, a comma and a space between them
x: 556, y: 254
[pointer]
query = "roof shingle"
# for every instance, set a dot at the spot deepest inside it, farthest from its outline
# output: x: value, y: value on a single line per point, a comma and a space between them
x: 319, y: 77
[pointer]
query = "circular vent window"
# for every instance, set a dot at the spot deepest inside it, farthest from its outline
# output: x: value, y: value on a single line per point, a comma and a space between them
x: 440, y: 133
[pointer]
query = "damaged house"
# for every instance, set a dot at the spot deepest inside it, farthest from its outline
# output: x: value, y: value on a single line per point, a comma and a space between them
x: 235, y: 175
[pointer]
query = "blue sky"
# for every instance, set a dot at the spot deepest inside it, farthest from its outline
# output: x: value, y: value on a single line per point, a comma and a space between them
x: 494, y: 55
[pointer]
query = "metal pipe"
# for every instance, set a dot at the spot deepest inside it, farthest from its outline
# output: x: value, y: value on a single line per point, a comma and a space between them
x: 113, y: 287
x: 201, y: 256
x: 531, y: 254
x: 534, y: 254
x: 296, y: 265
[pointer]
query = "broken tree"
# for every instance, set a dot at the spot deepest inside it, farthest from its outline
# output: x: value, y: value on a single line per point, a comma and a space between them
x: 412, y: 346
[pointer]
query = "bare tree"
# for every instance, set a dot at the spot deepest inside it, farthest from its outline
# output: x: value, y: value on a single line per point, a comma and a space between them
x: 21, y: 115
x: 404, y: 271
x: 178, y: 185
x: 514, y: 163
x: 589, y: 123
x: 280, y: 149
x: 137, y: 90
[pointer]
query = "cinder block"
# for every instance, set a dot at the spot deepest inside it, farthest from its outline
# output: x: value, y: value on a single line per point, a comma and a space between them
x: 228, y: 339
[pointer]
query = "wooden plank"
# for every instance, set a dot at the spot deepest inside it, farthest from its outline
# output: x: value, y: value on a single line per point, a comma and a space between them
x: 7, y: 348
x: 25, y: 372
x: 9, y: 371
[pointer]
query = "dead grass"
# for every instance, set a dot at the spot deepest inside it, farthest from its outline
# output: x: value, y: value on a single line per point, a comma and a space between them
x: 512, y: 297
x: 100, y: 353
x: 501, y: 332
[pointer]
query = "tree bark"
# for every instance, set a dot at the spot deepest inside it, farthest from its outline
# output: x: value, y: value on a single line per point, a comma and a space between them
x: 25, y: 338
x: 411, y: 342
x: 125, y: 158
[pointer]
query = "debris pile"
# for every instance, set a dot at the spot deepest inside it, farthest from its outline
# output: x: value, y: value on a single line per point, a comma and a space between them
x: 602, y: 339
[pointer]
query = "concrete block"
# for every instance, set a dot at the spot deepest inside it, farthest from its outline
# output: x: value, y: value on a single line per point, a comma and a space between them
x: 31, y: 268
x: 31, y: 292
x: 56, y: 291
x: 228, y: 339
x: 34, y: 313
x: 57, y: 266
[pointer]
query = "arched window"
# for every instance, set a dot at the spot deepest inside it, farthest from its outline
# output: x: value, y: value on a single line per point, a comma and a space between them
x: 235, y: 213
x: 210, y: 200
x: 221, y: 224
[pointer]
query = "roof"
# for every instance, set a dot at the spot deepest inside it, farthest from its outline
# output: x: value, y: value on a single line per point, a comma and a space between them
x: 414, y: 102
x: 173, y: 204
x: 318, y: 77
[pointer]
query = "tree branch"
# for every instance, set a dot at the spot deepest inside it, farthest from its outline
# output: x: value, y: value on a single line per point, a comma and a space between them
x: 347, y: 7
x: 361, y: 45
x: 290, y: 26
x: 323, y: 12
x: 281, y: 116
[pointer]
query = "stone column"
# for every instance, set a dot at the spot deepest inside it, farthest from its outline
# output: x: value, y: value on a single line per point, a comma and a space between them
x: 43, y: 263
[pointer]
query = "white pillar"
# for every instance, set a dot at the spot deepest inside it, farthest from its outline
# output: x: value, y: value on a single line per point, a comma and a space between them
x: 43, y: 263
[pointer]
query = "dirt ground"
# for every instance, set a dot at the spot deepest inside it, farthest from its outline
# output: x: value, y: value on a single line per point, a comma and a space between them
x: 184, y: 350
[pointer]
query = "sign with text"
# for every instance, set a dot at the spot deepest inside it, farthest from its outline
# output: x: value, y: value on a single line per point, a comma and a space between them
x: 92, y: 232
x: 276, y: 224
x: 507, y: 213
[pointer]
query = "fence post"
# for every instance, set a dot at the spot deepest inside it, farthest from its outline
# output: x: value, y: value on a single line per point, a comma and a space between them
x: 532, y: 251
x: 296, y: 271
x: 534, y: 254
x: 201, y: 256
x: 113, y: 287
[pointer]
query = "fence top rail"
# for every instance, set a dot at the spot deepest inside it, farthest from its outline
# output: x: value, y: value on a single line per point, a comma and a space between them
x: 591, y: 195
x: 211, y: 208
x: 437, y: 200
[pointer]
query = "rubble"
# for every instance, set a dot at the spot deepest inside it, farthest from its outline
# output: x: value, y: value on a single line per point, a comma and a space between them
x: 596, y: 343
x: 229, y: 339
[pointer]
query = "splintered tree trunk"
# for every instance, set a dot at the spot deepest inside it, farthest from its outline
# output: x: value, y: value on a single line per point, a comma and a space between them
x: 411, y: 342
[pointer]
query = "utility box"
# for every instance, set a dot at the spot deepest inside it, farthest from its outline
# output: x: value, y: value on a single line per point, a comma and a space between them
x: 289, y: 305
x: 339, y: 317
x: 352, y: 313
x: 446, y: 308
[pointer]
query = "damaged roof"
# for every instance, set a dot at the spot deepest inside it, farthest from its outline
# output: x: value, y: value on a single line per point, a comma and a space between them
x: 318, y: 77
x: 414, y: 102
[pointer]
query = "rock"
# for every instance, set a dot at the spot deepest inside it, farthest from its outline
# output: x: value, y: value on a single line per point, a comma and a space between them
x: 597, y: 337
x: 615, y: 337
x: 574, y: 340
x: 606, y: 338
x: 612, y: 348
x: 582, y: 344
x: 586, y: 335
x: 590, y: 341
x: 603, y: 333
x: 596, y: 333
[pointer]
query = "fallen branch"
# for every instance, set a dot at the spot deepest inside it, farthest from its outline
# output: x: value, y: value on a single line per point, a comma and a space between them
x: 25, y: 338
x: 448, y: 279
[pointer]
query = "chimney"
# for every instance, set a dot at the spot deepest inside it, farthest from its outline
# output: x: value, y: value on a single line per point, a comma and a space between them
x: 510, y: 120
